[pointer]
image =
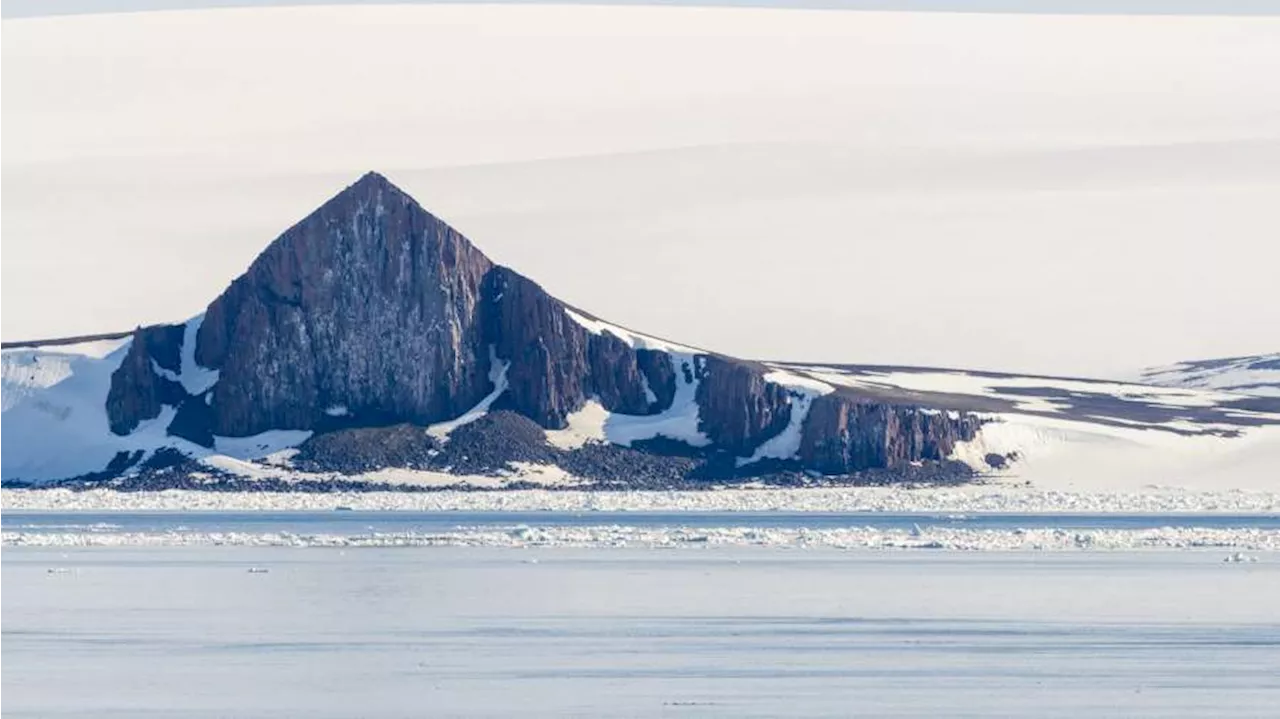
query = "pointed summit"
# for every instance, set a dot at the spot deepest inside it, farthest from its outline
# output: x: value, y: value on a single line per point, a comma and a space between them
x: 373, y: 176
x: 371, y: 312
x: 371, y: 183
x: 368, y: 303
x: 371, y: 189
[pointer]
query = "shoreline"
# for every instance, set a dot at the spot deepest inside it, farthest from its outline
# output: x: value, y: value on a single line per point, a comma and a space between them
x: 974, y: 498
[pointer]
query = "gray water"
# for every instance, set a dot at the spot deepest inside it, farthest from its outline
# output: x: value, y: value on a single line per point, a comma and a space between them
x: 718, y: 631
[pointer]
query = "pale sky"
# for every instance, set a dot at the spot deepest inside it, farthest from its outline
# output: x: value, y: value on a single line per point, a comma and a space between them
x: 35, y: 8
x: 1058, y: 194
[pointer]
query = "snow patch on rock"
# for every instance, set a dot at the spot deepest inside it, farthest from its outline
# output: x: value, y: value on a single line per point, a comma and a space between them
x: 678, y: 422
x: 635, y: 340
x: 194, y: 378
x: 801, y: 391
x: 498, y: 377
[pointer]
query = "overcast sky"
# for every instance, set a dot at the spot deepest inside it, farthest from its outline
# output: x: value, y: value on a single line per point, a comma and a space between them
x: 1075, y: 195
x: 35, y: 8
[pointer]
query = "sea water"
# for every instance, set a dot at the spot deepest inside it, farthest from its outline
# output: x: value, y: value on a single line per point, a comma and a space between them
x: 686, y: 629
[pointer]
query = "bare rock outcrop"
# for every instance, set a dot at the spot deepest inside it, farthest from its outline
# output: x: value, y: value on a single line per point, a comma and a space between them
x: 547, y: 350
x: 369, y: 304
x: 845, y: 434
x: 138, y: 391
x: 738, y: 408
x: 372, y: 313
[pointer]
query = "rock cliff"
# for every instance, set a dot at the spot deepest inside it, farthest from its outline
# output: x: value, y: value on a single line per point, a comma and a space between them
x: 371, y: 312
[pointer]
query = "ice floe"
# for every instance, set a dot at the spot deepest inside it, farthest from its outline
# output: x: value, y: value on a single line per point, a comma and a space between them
x: 1002, y: 499
x: 623, y: 536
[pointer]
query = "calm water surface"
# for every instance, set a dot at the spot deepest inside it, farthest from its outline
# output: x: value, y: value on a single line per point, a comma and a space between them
x: 714, y: 631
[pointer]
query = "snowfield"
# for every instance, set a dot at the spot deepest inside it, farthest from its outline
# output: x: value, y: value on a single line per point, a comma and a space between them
x: 55, y: 418
x: 1258, y: 375
x: 1093, y: 435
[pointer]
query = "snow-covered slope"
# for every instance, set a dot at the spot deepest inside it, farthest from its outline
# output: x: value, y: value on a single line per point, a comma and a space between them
x: 678, y: 422
x: 1257, y: 375
x: 55, y: 415
x: 1092, y: 434
x: 29, y: 370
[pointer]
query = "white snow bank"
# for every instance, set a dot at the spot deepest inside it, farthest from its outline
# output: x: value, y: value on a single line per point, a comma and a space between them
x: 634, y: 339
x: 55, y: 422
x: 802, y: 391
x: 27, y: 370
x: 194, y: 378
x: 678, y: 422
x: 585, y: 425
x: 1080, y: 456
x: 593, y: 422
x: 55, y: 418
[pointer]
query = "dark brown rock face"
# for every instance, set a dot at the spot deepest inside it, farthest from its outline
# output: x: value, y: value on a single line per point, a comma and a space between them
x: 660, y: 374
x: 373, y: 313
x: 738, y: 409
x: 373, y: 306
x: 556, y: 364
x: 547, y: 349
x: 370, y: 303
x: 137, y: 391
x: 844, y: 434
x: 615, y: 375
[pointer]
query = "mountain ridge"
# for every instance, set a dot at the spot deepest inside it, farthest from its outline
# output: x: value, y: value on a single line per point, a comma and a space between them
x: 372, y: 312
x: 371, y: 315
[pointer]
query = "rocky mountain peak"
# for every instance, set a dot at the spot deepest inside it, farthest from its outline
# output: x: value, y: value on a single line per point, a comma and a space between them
x: 372, y: 312
x: 367, y: 308
x: 373, y: 180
